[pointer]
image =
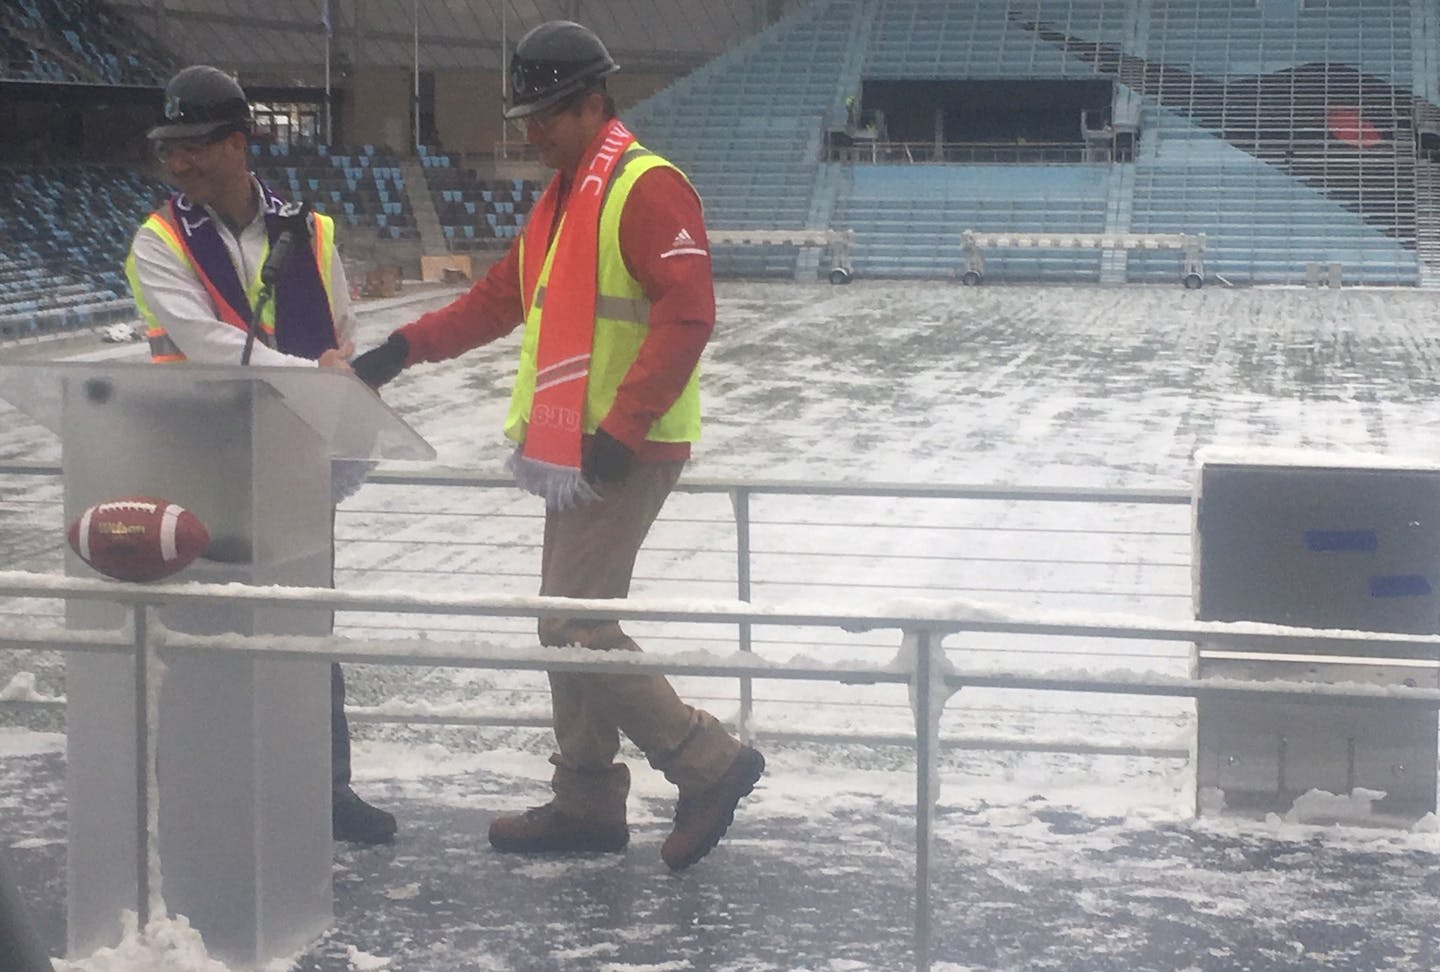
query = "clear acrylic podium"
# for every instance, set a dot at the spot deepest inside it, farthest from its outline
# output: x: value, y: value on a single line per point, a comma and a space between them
x: 243, y: 746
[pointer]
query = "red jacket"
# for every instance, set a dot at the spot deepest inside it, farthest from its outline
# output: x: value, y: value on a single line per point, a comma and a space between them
x: 679, y: 286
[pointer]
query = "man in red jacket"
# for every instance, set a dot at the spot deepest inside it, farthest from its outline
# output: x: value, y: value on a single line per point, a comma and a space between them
x: 611, y: 278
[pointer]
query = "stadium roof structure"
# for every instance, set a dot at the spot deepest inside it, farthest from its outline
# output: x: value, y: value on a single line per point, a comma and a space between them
x: 283, y: 41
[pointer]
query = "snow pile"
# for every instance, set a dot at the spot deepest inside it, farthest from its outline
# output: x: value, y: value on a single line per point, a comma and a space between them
x: 1318, y: 806
x: 166, y: 945
x: 22, y: 689
x: 364, y: 961
x: 1428, y: 824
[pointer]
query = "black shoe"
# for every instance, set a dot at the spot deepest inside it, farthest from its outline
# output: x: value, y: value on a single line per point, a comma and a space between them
x: 355, y: 821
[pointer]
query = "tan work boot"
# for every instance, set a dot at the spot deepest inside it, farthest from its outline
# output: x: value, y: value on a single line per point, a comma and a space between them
x: 542, y: 829
x: 701, y: 819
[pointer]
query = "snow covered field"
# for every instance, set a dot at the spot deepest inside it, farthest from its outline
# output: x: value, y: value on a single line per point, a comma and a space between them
x: 1091, y: 861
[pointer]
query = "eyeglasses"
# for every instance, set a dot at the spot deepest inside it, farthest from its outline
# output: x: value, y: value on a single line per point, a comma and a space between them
x: 190, y: 148
x: 544, y: 118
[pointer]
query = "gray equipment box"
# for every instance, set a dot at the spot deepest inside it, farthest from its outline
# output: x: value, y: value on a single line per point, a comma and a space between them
x: 1326, y: 547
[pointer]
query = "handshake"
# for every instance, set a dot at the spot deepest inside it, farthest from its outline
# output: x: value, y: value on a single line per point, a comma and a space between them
x: 378, y: 365
x: 606, y: 458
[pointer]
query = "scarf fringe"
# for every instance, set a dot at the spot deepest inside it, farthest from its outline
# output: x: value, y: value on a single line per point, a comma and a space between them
x: 563, y: 487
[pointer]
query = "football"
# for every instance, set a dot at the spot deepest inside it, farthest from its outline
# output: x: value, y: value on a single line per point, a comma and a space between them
x: 138, y: 538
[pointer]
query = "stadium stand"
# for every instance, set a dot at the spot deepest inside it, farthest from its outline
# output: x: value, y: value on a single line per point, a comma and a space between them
x: 366, y: 188
x: 1263, y: 224
x: 1292, y: 135
x: 76, y: 41
x: 360, y: 186
x: 746, y: 128
x: 907, y: 220
x: 1224, y: 95
x: 474, y: 212
x: 65, y: 231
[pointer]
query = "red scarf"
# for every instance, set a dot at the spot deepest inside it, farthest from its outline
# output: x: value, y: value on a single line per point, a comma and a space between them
x: 548, y: 463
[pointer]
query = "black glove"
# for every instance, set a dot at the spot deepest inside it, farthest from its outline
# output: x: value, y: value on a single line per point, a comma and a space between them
x: 607, y: 460
x: 378, y: 365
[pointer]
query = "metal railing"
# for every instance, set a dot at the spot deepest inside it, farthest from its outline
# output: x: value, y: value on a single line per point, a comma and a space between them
x: 968, y: 153
x: 748, y: 526
x: 917, y: 625
x: 922, y: 663
x: 848, y: 539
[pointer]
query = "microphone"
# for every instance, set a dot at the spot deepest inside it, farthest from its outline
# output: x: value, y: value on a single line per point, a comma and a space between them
x: 293, y: 221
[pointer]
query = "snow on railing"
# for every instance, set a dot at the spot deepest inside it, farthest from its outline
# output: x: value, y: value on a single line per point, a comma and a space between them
x: 443, y: 529
x: 921, y: 661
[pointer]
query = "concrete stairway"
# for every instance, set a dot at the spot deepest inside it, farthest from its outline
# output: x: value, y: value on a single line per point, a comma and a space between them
x: 1427, y: 222
x: 427, y: 221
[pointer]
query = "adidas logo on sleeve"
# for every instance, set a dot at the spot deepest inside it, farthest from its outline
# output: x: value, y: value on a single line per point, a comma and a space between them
x: 683, y: 245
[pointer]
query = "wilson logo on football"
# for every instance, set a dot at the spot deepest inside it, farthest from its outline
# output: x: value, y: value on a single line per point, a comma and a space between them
x: 138, y: 538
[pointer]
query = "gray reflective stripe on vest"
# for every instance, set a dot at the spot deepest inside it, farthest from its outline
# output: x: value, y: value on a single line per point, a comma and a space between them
x: 632, y: 310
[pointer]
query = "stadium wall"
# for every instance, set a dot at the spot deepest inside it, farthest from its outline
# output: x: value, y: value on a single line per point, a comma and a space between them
x: 375, y: 108
x: 470, y: 104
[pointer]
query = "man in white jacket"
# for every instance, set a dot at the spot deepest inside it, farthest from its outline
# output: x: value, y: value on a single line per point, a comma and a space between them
x: 194, y: 269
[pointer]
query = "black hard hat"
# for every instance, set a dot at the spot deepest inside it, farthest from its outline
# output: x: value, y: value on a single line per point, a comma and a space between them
x: 552, y: 62
x: 201, y: 100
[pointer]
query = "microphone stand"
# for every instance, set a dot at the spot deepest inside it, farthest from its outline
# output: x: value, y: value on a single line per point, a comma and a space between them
x: 294, y: 226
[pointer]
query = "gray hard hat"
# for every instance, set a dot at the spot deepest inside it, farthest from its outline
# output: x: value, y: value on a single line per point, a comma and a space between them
x: 552, y: 62
x: 201, y: 100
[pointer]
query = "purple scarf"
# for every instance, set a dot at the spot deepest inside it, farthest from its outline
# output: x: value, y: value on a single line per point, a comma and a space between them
x: 303, y: 324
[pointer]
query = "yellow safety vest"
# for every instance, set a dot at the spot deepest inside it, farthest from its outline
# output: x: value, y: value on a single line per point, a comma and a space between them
x: 622, y: 318
x: 161, y: 222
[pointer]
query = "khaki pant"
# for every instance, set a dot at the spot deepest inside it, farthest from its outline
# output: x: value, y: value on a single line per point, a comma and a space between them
x: 590, y: 552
